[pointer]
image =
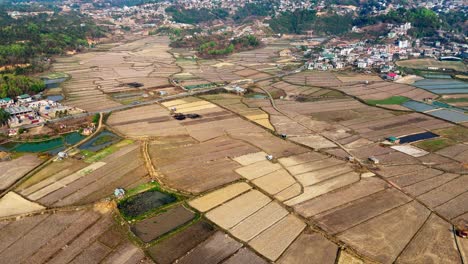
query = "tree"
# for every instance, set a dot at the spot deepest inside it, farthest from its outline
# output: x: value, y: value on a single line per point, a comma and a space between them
x: 4, y: 116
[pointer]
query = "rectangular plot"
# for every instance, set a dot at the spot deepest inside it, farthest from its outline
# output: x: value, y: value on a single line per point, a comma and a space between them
x: 449, y: 115
x: 290, y: 192
x: 234, y: 211
x: 72, y: 231
x: 414, y: 177
x: 213, y: 199
x: 214, y: 250
x: 258, y: 169
x: 302, y: 158
x: 168, y: 250
x: 275, y: 240
x: 332, y: 200
x: 313, y: 177
x: 314, y: 165
x: 126, y: 253
x: 427, y: 185
x: 93, y: 254
x: 15, y: 230
x: 358, y: 211
x: 275, y: 182
x: 454, y: 207
x: 445, y: 192
x: 66, y: 254
x: 324, y: 187
x: 251, y: 158
x: 259, y: 221
x: 156, y: 226
x: 39, y: 236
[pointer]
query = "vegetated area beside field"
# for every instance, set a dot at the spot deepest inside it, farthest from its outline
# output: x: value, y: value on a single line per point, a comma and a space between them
x: 12, y: 85
x: 434, y: 145
x: 394, y: 100
x: 25, y: 39
x: 217, y: 45
x: 423, y: 64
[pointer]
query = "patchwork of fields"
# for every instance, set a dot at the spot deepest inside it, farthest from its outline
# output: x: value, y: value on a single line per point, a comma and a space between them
x: 299, y: 170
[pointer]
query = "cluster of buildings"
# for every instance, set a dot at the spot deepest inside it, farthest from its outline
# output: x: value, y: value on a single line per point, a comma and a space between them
x: 27, y: 110
x: 396, y: 45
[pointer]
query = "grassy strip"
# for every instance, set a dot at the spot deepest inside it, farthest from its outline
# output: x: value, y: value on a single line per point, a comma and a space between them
x: 394, y: 100
x: 454, y: 100
x: 93, y: 157
x: 455, y: 133
x: 434, y: 145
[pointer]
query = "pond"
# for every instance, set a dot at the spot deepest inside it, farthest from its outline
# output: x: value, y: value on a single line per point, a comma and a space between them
x: 417, y: 137
x: 145, y: 202
x: 257, y: 96
x: 103, y: 140
x: 443, y: 86
x: 54, y: 83
x: 52, y: 146
x: 55, y: 98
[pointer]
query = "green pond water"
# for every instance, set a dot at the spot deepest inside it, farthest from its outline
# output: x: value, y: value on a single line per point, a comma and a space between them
x: 145, y: 202
x: 52, y: 146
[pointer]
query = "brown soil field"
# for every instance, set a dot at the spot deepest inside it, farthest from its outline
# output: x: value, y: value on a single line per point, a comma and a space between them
x: 434, y: 243
x: 385, y: 236
x: 259, y: 221
x: 96, y: 74
x: 245, y: 255
x: 275, y: 240
x: 358, y: 211
x: 216, y: 248
x: 14, y: 204
x: 146, y: 121
x: 238, y: 209
x: 312, y: 78
x: 176, y: 246
x: 124, y: 169
x: 310, y: 248
x: 156, y: 226
x: 190, y: 167
x: 55, y: 170
x: 215, y: 198
x: 84, y: 236
x: 14, y: 169
x: 423, y: 64
x: 424, y: 186
x: 348, y: 194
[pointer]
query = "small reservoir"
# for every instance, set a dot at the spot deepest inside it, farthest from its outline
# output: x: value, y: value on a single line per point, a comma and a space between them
x: 51, y: 146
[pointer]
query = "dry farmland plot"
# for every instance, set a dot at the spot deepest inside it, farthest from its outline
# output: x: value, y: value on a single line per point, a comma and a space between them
x: 152, y: 120
x: 123, y: 168
x: 384, y: 90
x: 312, y: 78
x: 216, y: 248
x: 235, y: 104
x: 310, y: 248
x: 156, y: 226
x: 52, y: 172
x: 85, y: 236
x: 95, y: 74
x: 199, y: 167
x: 13, y: 204
x: 14, y: 169
x: 385, y: 236
x: 174, y: 247
x: 423, y: 64
x: 245, y: 255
